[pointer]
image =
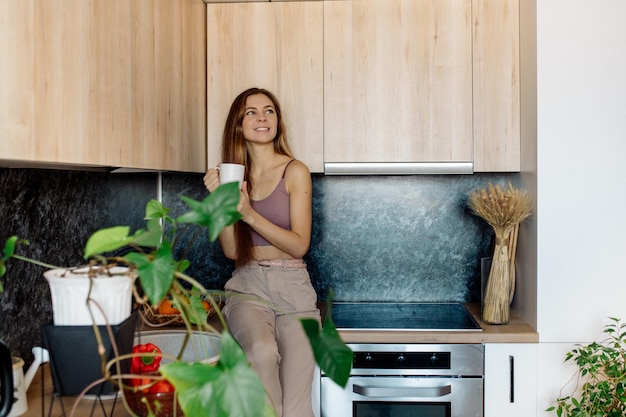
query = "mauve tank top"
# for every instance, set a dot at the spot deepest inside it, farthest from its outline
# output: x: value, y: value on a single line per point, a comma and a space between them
x: 274, y: 208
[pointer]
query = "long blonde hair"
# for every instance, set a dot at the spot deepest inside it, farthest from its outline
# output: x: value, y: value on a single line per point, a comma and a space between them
x: 234, y: 150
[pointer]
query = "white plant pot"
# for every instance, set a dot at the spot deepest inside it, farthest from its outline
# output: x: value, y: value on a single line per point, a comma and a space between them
x: 69, y: 290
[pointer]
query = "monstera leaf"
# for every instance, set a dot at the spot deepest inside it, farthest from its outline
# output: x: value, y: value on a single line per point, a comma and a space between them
x: 216, y: 211
x: 331, y: 353
x: 229, y: 388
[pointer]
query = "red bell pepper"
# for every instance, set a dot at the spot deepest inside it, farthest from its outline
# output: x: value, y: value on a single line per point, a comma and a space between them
x: 148, y: 364
x: 144, y: 364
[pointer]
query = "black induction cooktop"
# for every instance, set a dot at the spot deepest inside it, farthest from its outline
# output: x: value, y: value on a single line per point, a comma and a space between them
x: 403, y: 316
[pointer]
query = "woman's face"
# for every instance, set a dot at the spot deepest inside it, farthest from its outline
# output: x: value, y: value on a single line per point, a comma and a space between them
x: 260, y: 120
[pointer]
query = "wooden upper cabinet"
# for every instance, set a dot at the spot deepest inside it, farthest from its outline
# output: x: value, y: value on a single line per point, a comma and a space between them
x: 276, y: 46
x: 398, y: 81
x: 496, y: 85
x: 107, y: 83
x: 17, y: 74
x: 169, y: 83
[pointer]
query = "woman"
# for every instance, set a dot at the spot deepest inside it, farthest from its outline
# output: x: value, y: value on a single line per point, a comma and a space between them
x: 270, y: 287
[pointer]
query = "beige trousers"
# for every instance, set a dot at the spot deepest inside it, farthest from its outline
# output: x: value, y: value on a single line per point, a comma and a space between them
x: 263, y: 304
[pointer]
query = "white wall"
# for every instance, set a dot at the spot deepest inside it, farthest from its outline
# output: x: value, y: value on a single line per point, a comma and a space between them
x: 581, y: 119
x: 581, y: 179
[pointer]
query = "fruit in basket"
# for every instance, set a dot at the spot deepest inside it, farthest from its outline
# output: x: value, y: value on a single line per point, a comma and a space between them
x: 166, y: 307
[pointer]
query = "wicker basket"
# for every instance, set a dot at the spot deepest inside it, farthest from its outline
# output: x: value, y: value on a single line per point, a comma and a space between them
x: 153, y: 317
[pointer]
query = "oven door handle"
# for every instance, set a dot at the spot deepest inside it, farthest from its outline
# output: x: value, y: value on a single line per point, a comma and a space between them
x: 418, y: 392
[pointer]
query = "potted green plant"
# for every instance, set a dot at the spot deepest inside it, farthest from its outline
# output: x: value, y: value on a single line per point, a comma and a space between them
x: 228, y: 387
x: 601, y: 377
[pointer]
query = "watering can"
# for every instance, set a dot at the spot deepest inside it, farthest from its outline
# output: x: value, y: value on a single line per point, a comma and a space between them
x: 18, y: 384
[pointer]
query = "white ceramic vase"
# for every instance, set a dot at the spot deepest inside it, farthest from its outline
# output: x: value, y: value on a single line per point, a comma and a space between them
x: 112, y: 292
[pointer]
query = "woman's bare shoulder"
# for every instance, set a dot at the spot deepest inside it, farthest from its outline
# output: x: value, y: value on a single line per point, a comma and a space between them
x: 297, y: 173
x: 298, y: 166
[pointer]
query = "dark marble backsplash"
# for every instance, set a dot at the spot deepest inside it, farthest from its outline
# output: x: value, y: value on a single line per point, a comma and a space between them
x: 375, y: 238
x: 400, y: 238
x: 392, y: 238
x: 56, y: 211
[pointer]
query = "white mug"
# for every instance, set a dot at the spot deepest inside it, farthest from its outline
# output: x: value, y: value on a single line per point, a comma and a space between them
x: 231, y: 173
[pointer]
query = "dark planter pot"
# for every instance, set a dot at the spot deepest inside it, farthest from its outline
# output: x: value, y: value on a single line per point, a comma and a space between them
x: 74, y: 358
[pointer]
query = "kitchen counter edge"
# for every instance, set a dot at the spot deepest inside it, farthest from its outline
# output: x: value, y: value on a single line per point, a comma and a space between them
x: 515, y: 331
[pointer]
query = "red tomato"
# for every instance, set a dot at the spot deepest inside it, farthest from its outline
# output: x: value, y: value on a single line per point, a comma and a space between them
x: 161, y: 386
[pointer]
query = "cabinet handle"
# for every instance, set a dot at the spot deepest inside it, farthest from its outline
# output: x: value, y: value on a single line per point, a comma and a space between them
x: 399, y: 391
x: 512, y: 378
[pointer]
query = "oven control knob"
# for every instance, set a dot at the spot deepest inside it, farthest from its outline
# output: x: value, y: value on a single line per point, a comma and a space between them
x: 434, y: 359
x: 368, y: 358
x: 400, y: 360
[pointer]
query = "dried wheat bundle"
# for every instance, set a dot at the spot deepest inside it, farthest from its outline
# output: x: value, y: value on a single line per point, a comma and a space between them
x: 498, y: 292
x: 503, y: 210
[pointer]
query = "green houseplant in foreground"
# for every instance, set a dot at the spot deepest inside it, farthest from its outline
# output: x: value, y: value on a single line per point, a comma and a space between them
x: 602, y: 371
x: 229, y: 387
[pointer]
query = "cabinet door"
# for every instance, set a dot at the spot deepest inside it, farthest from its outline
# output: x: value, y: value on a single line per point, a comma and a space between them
x: 109, y: 83
x: 496, y: 85
x: 510, y: 379
x: 168, y: 85
x: 17, y: 72
x: 397, y: 81
x: 276, y: 46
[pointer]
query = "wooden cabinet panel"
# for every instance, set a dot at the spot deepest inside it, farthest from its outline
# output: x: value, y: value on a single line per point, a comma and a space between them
x: 109, y: 83
x: 82, y: 68
x: 120, y: 83
x: 169, y: 83
x: 397, y: 81
x: 17, y: 74
x: 277, y: 46
x: 496, y: 85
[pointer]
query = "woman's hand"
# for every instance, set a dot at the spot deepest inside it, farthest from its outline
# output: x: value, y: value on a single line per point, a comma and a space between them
x: 227, y: 235
x: 244, y: 207
x: 212, y: 179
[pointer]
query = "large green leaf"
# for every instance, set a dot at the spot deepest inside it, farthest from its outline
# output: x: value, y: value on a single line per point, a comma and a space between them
x: 156, y: 272
x: 151, y: 237
x: 197, y: 313
x: 216, y: 211
x: 228, y: 389
x: 331, y: 353
x: 106, y: 240
x: 113, y: 238
x: 9, y: 249
x: 156, y: 210
x: 231, y: 354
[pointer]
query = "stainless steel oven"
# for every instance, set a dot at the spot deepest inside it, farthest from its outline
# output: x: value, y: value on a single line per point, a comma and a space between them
x: 408, y: 380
